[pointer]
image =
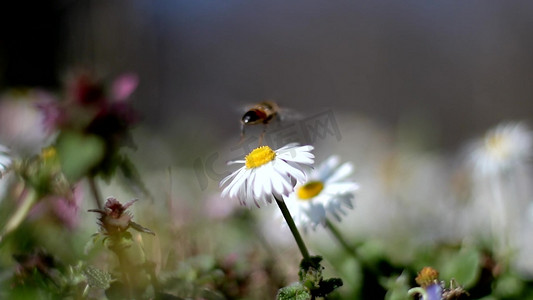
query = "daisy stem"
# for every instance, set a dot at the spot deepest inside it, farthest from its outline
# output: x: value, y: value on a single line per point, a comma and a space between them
x: 293, y: 228
x: 351, y: 250
x: 338, y: 236
x: 28, y: 198
x: 499, y: 220
x: 96, y: 193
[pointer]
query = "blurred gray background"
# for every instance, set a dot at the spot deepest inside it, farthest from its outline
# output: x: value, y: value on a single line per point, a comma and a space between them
x: 465, y: 65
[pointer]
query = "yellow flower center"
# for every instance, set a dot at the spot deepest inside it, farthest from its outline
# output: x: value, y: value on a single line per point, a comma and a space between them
x: 259, y: 156
x: 310, y: 190
x: 427, y: 276
x: 497, y: 145
x: 48, y: 153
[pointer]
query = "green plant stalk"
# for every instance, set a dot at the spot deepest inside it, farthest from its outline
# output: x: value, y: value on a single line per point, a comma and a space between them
x: 124, y: 263
x: 293, y: 228
x: 29, y: 197
x: 351, y: 250
x: 338, y: 236
x: 94, y: 190
x: 418, y: 290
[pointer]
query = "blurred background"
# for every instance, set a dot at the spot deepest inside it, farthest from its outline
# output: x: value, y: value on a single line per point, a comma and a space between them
x: 464, y: 65
x: 405, y: 86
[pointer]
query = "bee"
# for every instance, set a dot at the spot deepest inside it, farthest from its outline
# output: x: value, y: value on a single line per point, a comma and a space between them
x: 261, y: 113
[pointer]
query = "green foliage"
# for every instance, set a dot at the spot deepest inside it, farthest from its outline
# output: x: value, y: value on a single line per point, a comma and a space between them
x: 397, y: 287
x: 177, y: 264
x: 509, y: 286
x: 193, y: 278
x: 141, y: 228
x: 463, y: 266
x: 43, y: 174
x: 97, y: 278
x: 295, y: 291
x: 79, y: 153
x: 132, y: 178
x: 311, y: 279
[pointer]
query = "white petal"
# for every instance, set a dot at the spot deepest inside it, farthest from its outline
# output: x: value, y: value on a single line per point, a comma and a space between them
x: 282, y: 178
x: 327, y: 167
x: 340, y: 187
x: 235, y: 184
x: 290, y: 170
x: 242, y: 195
x: 299, y: 157
x: 223, y: 181
x: 341, y: 173
x: 288, y: 146
x: 277, y: 186
x: 266, y: 179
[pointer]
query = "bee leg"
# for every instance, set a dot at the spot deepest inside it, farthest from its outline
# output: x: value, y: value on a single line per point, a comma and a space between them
x: 262, y: 134
x: 242, y: 134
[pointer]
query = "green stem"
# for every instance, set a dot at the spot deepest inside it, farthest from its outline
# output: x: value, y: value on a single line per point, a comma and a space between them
x: 338, y: 236
x: 418, y: 290
x: 96, y: 193
x: 29, y: 196
x: 293, y: 228
x: 150, y: 267
x: 124, y: 264
x: 350, y: 249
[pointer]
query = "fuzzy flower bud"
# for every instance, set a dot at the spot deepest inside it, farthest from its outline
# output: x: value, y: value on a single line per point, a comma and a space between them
x: 427, y: 276
x: 115, y: 218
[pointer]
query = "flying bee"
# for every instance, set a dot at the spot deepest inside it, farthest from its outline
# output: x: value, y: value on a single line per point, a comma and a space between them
x: 261, y: 113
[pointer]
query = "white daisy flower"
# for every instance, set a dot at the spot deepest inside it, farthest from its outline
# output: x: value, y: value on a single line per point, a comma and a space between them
x: 267, y: 174
x: 501, y: 148
x: 327, y: 192
x: 5, y: 160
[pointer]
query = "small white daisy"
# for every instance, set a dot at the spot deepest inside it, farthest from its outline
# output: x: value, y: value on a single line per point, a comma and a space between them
x: 5, y: 160
x: 267, y: 173
x: 501, y: 148
x: 327, y: 192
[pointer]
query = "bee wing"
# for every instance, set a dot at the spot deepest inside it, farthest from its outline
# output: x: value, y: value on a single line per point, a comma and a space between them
x: 289, y: 115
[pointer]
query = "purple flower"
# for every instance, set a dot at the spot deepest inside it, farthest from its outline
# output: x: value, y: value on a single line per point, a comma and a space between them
x: 115, y: 219
x: 434, y: 291
x: 64, y: 209
x: 124, y: 86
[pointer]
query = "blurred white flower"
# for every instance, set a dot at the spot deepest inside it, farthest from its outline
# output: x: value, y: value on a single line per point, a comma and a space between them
x: 500, y: 183
x: 21, y: 123
x: 267, y: 174
x: 5, y: 159
x: 502, y: 147
x: 328, y: 191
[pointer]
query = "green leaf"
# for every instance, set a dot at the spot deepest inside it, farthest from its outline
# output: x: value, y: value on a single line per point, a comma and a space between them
x: 97, y: 278
x: 132, y: 178
x: 464, y: 267
x: 508, y: 286
x: 327, y: 286
x: 140, y: 228
x: 311, y: 262
x: 311, y: 278
x: 294, y: 291
x: 79, y: 153
x: 397, y: 287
